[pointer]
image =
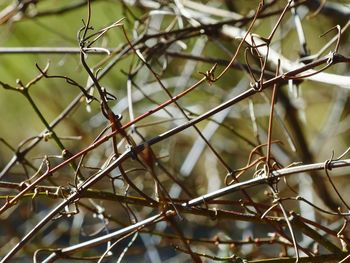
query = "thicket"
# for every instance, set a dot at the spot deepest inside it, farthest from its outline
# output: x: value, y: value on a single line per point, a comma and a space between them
x: 174, y: 131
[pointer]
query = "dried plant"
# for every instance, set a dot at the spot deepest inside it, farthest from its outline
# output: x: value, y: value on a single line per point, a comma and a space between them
x: 175, y: 131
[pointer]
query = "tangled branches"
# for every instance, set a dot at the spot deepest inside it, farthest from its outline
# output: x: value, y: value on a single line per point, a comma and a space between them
x: 196, y: 136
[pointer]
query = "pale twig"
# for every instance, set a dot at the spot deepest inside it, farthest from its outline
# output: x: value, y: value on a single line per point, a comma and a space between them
x: 261, y: 180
